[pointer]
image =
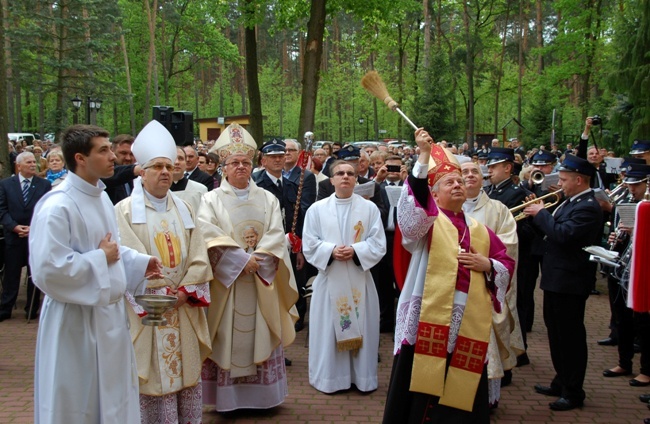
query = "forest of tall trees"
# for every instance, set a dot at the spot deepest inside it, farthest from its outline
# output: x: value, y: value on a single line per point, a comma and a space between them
x: 457, y: 68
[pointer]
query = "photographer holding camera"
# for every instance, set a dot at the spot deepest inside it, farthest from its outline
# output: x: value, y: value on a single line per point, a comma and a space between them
x: 602, y: 180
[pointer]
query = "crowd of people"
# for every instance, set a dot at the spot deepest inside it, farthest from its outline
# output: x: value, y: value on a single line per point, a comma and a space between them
x: 440, y: 245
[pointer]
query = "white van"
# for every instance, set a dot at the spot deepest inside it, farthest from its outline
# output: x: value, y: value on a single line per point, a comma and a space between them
x: 28, y: 137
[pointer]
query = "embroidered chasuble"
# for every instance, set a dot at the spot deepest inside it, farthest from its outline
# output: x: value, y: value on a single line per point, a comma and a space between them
x: 169, y: 357
x: 250, y: 317
x: 458, y: 386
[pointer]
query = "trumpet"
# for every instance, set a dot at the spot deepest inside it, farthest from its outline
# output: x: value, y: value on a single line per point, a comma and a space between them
x: 537, y: 176
x: 518, y: 211
x: 618, y: 193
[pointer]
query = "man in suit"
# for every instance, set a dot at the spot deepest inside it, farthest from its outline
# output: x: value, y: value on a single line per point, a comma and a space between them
x: 567, y: 275
x: 18, y: 196
x: 364, y: 169
x: 120, y: 184
x: 280, y: 161
x: 518, y: 149
x: 351, y: 154
x: 390, y: 177
x: 192, y: 170
x: 188, y: 190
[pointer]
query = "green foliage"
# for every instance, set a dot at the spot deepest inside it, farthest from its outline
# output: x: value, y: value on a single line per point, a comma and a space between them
x: 433, y: 101
x: 595, y: 61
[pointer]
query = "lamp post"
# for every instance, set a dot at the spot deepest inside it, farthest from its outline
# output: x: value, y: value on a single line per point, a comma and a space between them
x: 92, y: 105
x: 361, y: 121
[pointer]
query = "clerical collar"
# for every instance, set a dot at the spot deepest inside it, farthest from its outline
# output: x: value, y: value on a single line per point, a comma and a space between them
x: 84, y: 186
x: 451, y: 213
x: 474, y: 199
x: 160, y: 205
x: 341, y: 201
x: 241, y: 193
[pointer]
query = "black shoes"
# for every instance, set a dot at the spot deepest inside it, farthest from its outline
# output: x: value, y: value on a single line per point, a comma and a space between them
x: 645, y: 398
x: 4, y: 317
x: 507, y: 378
x: 300, y: 324
x: 523, y: 360
x: 546, y: 390
x: 596, y: 293
x: 608, y: 342
x: 637, y: 383
x: 610, y: 373
x: 564, y: 404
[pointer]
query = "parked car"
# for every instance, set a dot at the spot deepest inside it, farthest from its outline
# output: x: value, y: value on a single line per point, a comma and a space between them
x: 28, y: 137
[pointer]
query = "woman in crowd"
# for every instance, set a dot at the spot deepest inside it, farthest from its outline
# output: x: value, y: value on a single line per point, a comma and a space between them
x: 56, y: 171
x: 212, y: 168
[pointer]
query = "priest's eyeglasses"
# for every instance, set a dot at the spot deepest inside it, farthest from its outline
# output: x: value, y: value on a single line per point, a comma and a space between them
x: 342, y: 173
x: 237, y: 164
x: 159, y: 166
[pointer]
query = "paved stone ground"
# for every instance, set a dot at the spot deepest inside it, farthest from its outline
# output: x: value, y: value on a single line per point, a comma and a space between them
x: 609, y: 400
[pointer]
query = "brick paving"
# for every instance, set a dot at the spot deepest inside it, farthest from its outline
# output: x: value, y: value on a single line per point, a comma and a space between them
x: 609, y: 400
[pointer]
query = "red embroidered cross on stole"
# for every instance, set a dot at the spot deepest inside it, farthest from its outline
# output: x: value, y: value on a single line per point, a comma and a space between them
x: 432, y: 340
x: 457, y: 385
x: 469, y: 354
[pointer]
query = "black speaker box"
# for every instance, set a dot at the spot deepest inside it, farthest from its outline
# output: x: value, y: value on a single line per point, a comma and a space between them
x: 163, y: 114
x: 182, y: 128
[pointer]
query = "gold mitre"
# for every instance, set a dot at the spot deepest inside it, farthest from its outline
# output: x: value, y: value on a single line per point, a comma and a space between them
x: 234, y: 140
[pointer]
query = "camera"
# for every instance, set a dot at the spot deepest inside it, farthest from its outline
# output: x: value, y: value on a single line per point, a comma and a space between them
x: 393, y: 168
x: 596, y: 120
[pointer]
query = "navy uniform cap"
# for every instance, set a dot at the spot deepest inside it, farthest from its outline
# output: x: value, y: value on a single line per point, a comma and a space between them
x: 627, y: 161
x: 575, y: 164
x: 640, y: 147
x: 273, y: 147
x: 500, y: 154
x: 543, y: 157
x: 636, y: 173
x: 349, y: 152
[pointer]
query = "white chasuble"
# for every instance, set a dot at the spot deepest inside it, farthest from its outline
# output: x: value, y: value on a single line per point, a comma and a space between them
x: 344, y: 317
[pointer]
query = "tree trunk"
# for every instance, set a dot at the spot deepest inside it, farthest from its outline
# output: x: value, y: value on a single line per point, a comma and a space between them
x: 129, y: 90
x: 256, y: 127
x: 242, y: 73
x: 401, y: 53
x: 500, y: 69
x: 469, y: 74
x: 4, y: 69
x: 151, y: 19
x: 520, y: 76
x: 540, y: 36
x: 427, y: 33
x: 311, y: 73
x: 6, y: 62
x: 19, y: 107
